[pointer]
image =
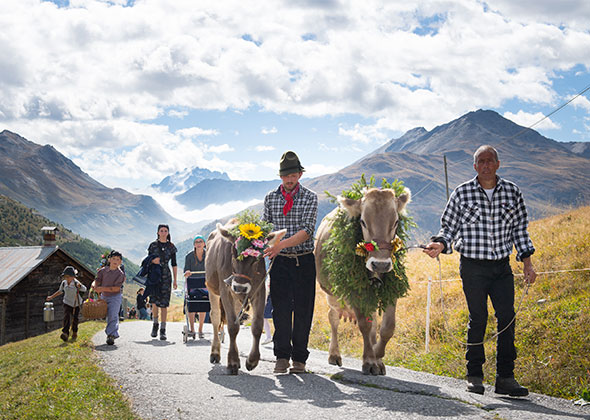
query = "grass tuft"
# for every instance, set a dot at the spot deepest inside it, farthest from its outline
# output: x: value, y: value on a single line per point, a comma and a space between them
x: 45, y: 378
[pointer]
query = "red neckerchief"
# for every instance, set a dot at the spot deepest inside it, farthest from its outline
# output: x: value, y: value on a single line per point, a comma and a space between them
x: 289, y: 198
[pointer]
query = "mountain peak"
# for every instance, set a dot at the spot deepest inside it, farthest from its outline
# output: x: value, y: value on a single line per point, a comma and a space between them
x: 184, y: 180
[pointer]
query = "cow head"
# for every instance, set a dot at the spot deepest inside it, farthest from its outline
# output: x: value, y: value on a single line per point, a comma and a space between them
x: 247, y: 272
x: 378, y: 211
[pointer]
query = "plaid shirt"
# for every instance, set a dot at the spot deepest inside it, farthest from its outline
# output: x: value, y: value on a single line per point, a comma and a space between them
x: 302, y: 216
x: 484, y: 229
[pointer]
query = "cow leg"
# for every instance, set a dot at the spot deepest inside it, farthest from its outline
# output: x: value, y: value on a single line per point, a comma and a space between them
x: 334, y: 357
x: 370, y: 366
x: 231, y: 310
x: 385, y: 334
x: 215, y: 356
x: 256, y: 328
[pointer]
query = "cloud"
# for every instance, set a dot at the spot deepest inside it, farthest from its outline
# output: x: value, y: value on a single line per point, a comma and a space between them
x: 196, y: 132
x: 272, y: 130
x: 91, y: 78
x: 526, y: 119
x: 264, y: 148
x: 581, y: 102
x: 177, y: 114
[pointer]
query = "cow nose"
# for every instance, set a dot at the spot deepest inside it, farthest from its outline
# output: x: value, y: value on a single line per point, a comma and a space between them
x: 239, y: 289
x: 381, y: 266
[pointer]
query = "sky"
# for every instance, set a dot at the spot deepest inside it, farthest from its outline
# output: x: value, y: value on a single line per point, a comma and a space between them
x: 133, y: 91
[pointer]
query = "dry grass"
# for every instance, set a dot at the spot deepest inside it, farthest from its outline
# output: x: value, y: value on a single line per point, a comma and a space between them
x: 552, y: 335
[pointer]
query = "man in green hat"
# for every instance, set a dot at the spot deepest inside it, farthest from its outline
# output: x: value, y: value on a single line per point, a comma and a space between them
x: 292, y: 276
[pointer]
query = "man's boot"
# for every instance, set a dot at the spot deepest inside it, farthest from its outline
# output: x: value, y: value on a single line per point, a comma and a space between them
x: 155, y: 329
x: 475, y: 384
x: 510, y: 386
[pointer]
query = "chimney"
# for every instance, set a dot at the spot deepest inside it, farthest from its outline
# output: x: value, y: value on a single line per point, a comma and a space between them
x: 49, y: 233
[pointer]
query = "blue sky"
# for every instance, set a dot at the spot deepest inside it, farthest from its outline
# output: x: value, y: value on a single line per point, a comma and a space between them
x: 133, y: 91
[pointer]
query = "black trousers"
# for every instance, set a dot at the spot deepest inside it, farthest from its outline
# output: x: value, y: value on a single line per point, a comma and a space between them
x: 70, y: 316
x: 483, y: 278
x: 292, y: 291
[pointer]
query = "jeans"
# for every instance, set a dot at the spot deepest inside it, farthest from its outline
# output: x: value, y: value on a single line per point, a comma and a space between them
x: 113, y: 305
x: 483, y: 278
x: 292, y: 290
x: 143, y: 314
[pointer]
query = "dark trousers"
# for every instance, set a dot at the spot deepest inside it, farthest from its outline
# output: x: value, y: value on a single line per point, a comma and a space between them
x: 292, y: 291
x: 70, y: 316
x: 482, y: 278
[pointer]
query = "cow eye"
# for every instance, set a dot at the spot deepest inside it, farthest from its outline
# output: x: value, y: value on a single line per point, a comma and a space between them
x: 363, y: 224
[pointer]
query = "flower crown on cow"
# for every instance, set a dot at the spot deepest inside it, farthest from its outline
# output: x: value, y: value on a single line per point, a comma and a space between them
x: 251, y: 235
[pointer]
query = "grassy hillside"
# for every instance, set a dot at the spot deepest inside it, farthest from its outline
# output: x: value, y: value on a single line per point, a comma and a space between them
x: 552, y: 326
x: 21, y: 226
x: 43, y: 378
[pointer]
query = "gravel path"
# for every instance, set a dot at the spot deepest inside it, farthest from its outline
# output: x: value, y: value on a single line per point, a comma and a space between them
x: 173, y: 380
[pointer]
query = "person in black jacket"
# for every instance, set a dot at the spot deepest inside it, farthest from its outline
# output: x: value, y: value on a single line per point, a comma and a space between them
x: 140, y: 304
x: 166, y: 252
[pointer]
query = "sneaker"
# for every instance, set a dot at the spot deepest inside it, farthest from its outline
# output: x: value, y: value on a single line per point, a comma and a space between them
x: 155, y: 329
x: 201, y: 335
x: 298, y: 367
x: 510, y: 386
x: 475, y: 385
x: 162, y: 334
x: 64, y: 336
x: 281, y: 366
x: 74, y: 336
x: 110, y: 340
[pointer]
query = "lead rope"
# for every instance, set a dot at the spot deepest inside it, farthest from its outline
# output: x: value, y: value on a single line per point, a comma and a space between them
x: 245, y: 303
x: 442, y: 303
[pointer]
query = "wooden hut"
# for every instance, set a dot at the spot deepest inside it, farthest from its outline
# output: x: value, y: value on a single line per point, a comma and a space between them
x: 28, y: 275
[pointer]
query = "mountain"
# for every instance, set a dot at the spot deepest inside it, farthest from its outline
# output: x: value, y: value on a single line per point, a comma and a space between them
x: 218, y: 191
x: 184, y: 180
x: 578, y: 147
x: 550, y: 174
x: 42, y: 178
x: 21, y: 226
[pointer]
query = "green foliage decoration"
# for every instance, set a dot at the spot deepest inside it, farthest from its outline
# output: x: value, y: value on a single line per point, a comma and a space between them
x: 348, y: 276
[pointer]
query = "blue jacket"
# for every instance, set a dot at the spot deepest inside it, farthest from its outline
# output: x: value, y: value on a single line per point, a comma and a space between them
x: 149, y: 275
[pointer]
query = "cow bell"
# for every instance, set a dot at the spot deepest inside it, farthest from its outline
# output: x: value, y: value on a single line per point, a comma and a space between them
x: 48, y: 312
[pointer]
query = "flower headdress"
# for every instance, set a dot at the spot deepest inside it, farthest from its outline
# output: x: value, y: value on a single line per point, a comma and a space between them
x: 251, y: 235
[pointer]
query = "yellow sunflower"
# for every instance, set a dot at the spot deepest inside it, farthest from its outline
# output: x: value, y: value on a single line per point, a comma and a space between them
x: 250, y: 231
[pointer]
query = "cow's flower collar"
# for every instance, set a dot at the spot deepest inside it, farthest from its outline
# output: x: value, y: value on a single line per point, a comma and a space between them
x: 363, y: 248
x: 251, y: 235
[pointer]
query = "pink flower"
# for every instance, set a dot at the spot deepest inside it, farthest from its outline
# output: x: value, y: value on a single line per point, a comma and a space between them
x: 257, y: 243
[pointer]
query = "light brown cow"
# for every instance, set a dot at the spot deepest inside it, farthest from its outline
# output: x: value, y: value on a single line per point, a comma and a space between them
x: 230, y: 281
x: 379, y: 216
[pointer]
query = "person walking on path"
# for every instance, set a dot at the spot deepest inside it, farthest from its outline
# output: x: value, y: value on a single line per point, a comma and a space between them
x: 195, y: 261
x: 108, y: 283
x: 140, y: 304
x: 160, y: 300
x: 484, y: 218
x: 71, y: 288
x: 292, y: 276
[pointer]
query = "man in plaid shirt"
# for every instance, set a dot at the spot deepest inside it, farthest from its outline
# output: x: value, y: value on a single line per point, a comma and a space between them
x: 485, y: 218
x: 292, y: 276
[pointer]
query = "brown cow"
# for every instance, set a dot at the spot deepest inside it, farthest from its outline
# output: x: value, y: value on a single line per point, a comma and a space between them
x: 379, y: 216
x: 230, y: 281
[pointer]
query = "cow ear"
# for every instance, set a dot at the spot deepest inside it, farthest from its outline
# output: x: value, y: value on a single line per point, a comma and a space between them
x: 352, y: 207
x: 274, y: 237
x: 403, y: 200
x: 225, y: 232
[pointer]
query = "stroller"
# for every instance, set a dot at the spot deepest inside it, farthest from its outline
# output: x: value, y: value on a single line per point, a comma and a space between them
x: 196, y: 299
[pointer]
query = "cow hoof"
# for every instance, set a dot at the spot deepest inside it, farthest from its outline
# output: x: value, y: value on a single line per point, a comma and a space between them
x: 214, y: 358
x: 335, y: 360
x: 232, y: 370
x: 251, y: 365
x: 381, y: 367
x: 370, y: 369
